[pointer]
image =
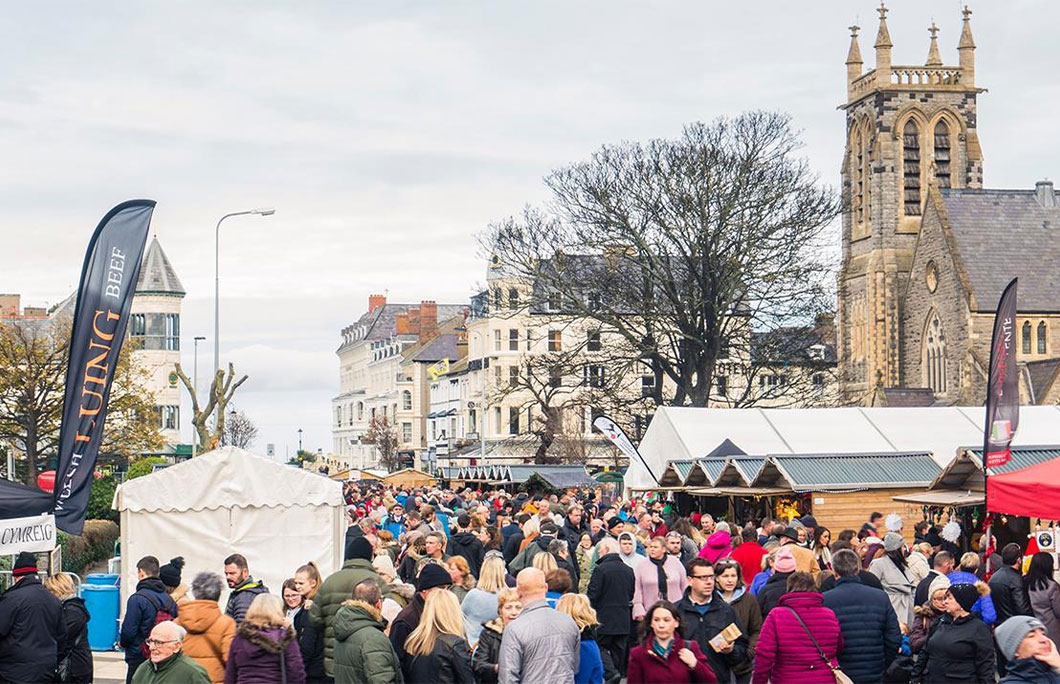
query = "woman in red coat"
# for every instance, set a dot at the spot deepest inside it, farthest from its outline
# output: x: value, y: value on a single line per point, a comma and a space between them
x: 663, y: 657
x: 785, y: 651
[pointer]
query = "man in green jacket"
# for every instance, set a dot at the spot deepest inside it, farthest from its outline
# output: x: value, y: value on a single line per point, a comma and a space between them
x: 167, y: 663
x: 337, y: 589
x: 362, y: 652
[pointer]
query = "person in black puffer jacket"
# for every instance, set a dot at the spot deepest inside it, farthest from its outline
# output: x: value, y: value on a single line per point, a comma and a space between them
x: 465, y: 543
x: 75, y: 658
x: 777, y: 584
x: 436, y: 650
x: 487, y: 652
x: 960, y: 647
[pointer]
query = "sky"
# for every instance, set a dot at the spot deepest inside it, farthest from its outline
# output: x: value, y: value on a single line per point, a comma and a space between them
x: 388, y: 135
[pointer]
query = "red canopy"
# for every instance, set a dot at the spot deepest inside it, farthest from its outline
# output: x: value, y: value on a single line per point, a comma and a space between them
x: 1033, y: 491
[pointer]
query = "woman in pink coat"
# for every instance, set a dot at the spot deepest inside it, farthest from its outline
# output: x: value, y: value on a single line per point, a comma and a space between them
x: 785, y: 651
x: 718, y: 546
x: 649, y: 577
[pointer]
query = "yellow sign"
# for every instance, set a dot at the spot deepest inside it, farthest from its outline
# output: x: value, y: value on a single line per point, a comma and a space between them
x: 435, y: 371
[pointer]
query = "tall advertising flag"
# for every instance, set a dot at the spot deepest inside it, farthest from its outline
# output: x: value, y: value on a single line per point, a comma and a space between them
x: 618, y: 437
x: 1002, y: 390
x: 104, y: 297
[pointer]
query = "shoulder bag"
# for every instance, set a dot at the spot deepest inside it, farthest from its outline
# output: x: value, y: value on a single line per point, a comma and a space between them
x: 840, y: 676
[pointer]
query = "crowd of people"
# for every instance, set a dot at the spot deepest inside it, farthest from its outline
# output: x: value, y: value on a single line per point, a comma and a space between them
x: 484, y: 587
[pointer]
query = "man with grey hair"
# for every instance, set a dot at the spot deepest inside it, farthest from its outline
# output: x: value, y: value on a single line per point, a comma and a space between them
x: 542, y: 645
x: 871, y: 637
x: 167, y: 663
x: 210, y: 633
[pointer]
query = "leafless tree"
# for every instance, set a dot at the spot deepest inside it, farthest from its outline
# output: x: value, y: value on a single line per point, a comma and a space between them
x: 385, y: 438
x: 240, y: 430
x: 689, y: 251
x: 222, y: 389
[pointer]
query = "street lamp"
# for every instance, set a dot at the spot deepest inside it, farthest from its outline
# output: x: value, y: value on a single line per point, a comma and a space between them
x: 217, y: 287
x: 299, y: 440
x: 195, y: 391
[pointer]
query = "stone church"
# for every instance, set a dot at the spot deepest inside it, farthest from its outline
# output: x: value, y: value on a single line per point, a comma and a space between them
x: 926, y: 250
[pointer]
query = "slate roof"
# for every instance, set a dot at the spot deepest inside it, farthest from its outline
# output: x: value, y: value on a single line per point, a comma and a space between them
x: 810, y: 472
x: 382, y: 322
x: 905, y: 397
x: 157, y: 275
x: 1042, y: 375
x: 1002, y: 234
x: 792, y: 344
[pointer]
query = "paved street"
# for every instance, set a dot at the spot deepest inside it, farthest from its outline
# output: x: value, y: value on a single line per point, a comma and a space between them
x: 109, y: 667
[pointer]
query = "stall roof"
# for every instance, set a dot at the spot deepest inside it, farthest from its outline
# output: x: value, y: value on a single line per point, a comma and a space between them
x: 676, y: 472
x: 943, y: 497
x: 965, y: 471
x: 817, y: 472
x: 681, y: 433
x: 567, y: 478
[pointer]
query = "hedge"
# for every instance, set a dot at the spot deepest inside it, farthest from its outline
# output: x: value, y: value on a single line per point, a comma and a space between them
x: 95, y: 544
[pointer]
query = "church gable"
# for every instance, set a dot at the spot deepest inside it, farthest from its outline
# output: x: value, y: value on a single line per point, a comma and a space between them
x: 936, y: 309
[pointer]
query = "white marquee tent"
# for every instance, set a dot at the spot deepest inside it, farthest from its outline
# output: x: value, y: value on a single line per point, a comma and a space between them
x: 689, y: 433
x: 231, y: 501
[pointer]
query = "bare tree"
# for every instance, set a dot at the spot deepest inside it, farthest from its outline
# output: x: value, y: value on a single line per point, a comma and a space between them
x: 240, y: 430
x: 222, y: 388
x: 33, y: 360
x: 385, y: 438
x: 686, y: 250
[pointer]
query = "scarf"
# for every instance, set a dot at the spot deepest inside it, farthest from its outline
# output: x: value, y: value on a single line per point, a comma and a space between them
x: 658, y: 649
x: 662, y: 576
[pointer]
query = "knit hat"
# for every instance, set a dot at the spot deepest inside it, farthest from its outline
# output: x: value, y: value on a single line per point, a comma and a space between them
x: 1010, y: 633
x: 892, y: 541
x: 360, y: 548
x: 433, y: 575
x: 784, y: 561
x: 809, y: 521
x: 170, y: 572
x: 938, y: 584
x: 614, y: 522
x: 965, y: 594
x: 384, y: 566
x: 25, y: 564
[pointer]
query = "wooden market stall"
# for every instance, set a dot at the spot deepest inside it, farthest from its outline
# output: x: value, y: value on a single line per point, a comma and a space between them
x: 410, y: 477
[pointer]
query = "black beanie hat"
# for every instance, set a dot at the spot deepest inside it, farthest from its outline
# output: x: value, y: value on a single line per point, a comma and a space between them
x: 359, y: 547
x: 433, y: 575
x: 170, y: 572
x: 25, y: 564
x: 965, y: 594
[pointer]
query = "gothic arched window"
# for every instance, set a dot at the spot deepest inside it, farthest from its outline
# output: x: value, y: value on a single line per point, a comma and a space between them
x: 935, y: 355
x: 858, y: 189
x: 1041, y: 337
x: 1026, y: 335
x: 911, y: 169
x: 942, y: 154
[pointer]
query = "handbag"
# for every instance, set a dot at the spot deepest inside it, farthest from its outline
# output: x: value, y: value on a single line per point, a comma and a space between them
x: 840, y: 676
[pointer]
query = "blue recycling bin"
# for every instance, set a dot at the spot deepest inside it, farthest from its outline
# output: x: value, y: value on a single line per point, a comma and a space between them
x: 103, y: 603
x: 103, y: 578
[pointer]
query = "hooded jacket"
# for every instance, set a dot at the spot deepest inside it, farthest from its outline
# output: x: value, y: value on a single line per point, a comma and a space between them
x: 466, y: 544
x: 924, y: 618
x: 362, y: 652
x: 1030, y: 671
x: 32, y: 632
x: 140, y: 616
x: 255, y: 656
x: 957, y: 650
x: 718, y: 546
x: 525, y: 558
x: 243, y: 594
x: 210, y: 636
x: 335, y: 590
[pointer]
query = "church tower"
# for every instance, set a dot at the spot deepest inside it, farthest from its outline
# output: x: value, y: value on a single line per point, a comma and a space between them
x: 906, y: 127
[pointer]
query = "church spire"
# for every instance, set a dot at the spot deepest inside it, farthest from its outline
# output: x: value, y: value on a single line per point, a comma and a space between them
x: 854, y: 62
x: 883, y: 49
x: 933, y: 58
x: 966, y: 49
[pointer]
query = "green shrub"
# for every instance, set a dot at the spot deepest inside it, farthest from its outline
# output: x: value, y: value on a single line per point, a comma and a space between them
x: 100, y: 498
x: 95, y: 544
x: 144, y: 466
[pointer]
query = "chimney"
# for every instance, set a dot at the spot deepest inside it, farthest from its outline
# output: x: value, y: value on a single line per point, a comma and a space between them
x: 375, y: 301
x: 428, y: 317
x: 401, y: 324
x: 414, y: 321
x: 1043, y: 190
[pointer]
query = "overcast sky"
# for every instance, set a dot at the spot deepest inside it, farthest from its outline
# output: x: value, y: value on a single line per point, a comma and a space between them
x: 388, y: 134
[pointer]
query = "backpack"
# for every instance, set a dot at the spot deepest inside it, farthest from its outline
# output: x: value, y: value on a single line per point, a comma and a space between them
x: 161, y: 615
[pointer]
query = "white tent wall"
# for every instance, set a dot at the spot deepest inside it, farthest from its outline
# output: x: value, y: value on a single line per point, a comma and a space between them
x: 301, y: 518
x: 683, y: 433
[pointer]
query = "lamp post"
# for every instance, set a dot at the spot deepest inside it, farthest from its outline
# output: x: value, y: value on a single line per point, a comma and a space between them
x: 195, y: 391
x: 299, y: 439
x: 217, y: 287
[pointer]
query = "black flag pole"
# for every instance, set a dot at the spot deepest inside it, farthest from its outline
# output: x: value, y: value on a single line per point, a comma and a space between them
x: 101, y: 316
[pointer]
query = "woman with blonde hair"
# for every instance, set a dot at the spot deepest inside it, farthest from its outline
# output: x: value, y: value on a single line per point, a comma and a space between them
x: 480, y: 604
x: 265, y: 648
x: 436, y: 650
x: 463, y: 580
x: 590, y: 664
x: 307, y: 581
x: 75, y: 657
x: 545, y: 562
x: 488, y: 649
